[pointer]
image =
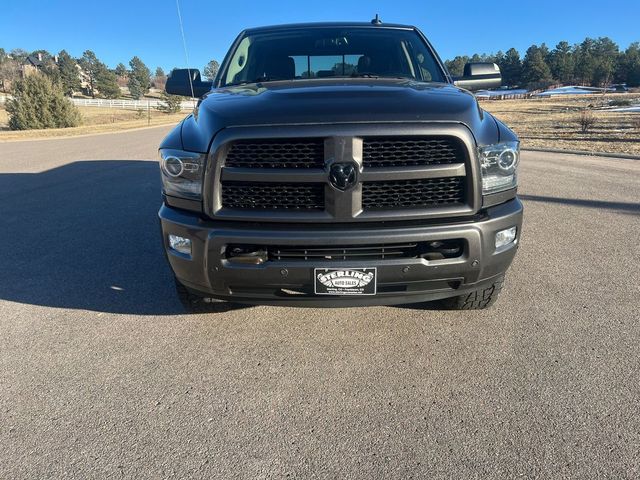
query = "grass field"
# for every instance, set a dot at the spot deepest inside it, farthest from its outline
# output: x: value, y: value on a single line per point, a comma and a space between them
x: 554, y: 122
x: 94, y: 120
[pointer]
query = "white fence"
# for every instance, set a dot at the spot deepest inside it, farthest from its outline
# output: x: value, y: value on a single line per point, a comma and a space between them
x: 125, y: 104
x: 117, y: 103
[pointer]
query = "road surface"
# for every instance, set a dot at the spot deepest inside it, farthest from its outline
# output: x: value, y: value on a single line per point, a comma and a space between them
x: 102, y: 375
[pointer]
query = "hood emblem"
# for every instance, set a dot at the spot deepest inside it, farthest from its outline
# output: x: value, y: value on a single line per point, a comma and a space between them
x: 343, y: 176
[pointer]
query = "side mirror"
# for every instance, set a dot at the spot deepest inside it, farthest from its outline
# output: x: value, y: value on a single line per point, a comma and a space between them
x: 479, y: 76
x: 180, y: 80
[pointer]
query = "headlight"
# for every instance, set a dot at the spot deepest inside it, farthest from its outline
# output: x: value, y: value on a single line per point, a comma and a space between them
x: 499, y: 165
x: 182, y: 173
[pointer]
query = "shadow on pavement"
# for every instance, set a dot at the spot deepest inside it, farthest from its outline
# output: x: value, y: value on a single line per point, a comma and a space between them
x: 632, y: 208
x: 85, y: 236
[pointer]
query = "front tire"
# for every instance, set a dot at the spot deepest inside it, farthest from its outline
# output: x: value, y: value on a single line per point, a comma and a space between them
x: 477, y: 299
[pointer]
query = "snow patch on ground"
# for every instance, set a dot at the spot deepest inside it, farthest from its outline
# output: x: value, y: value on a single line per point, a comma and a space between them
x: 570, y: 90
x: 497, y: 93
x: 632, y: 108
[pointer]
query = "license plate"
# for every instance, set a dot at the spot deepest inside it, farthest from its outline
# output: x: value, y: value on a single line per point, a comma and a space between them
x: 345, y: 281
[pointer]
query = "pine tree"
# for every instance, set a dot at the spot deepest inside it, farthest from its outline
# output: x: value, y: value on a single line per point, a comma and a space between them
x: 139, y: 78
x: 40, y: 103
x: 211, y: 70
x: 585, y: 61
x: 90, y: 65
x: 121, y: 70
x: 535, y: 71
x: 107, y: 82
x: 511, y: 68
x: 170, y: 103
x: 69, y: 75
x: 562, y: 63
x: 606, y: 54
x: 456, y: 66
x: 629, y: 67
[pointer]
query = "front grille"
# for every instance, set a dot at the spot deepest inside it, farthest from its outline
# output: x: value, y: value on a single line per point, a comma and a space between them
x: 368, y: 252
x: 278, y: 153
x: 272, y: 196
x: 428, y: 170
x: 411, y: 151
x: 421, y: 193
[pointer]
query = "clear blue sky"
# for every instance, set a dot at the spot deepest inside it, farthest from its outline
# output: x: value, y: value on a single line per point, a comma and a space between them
x: 116, y: 30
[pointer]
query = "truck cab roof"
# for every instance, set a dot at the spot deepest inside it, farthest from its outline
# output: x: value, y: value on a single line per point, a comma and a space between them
x: 294, y: 26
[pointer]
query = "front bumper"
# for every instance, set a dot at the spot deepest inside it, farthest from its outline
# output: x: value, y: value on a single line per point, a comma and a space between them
x: 401, y: 280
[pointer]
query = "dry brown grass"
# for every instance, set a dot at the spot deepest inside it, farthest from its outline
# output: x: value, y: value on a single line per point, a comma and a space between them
x: 543, y: 123
x: 555, y: 123
x: 94, y: 120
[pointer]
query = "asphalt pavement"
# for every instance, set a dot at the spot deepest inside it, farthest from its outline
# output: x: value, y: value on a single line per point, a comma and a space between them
x: 103, y: 375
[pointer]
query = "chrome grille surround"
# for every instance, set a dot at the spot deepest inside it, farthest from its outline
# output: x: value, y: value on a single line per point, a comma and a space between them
x: 344, y: 143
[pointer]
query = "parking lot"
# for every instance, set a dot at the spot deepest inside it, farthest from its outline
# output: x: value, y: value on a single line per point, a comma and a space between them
x: 102, y: 374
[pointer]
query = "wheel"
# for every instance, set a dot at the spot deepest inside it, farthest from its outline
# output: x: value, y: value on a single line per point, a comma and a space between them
x: 477, y: 299
x: 197, y: 304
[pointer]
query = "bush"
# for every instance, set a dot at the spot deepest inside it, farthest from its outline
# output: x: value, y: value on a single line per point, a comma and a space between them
x: 40, y: 103
x: 586, y: 120
x: 171, y: 103
x: 620, y: 102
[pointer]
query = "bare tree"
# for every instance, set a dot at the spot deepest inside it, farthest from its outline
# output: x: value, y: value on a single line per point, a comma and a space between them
x: 586, y: 121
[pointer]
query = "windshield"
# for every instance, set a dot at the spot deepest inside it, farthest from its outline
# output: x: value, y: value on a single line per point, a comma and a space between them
x: 331, y: 52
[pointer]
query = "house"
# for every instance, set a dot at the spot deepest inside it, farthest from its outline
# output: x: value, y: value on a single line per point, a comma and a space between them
x: 31, y: 65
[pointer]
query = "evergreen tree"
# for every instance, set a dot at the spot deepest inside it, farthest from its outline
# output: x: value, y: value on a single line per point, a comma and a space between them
x: 606, y: 54
x: 69, y: 75
x: 211, y: 70
x: 170, y: 103
x: 511, y: 68
x: 90, y: 66
x: 159, y: 72
x: 50, y: 69
x: 121, y: 70
x: 40, y: 103
x: 535, y: 71
x: 43, y: 55
x: 585, y: 62
x: 562, y: 63
x: 19, y: 55
x: 135, y: 88
x: 106, y: 82
x: 139, y: 78
x: 629, y: 69
x: 456, y: 66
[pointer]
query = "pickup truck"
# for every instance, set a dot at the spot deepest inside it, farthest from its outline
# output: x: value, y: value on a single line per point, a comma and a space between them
x: 338, y: 164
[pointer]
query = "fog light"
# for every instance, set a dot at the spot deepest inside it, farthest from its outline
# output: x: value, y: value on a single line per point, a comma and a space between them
x: 180, y: 244
x: 505, y: 237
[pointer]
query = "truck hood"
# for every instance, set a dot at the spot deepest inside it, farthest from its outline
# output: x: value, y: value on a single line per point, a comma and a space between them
x: 332, y: 101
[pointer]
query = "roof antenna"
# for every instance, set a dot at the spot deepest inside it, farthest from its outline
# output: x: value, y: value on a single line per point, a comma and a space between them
x: 377, y: 21
x: 186, y: 54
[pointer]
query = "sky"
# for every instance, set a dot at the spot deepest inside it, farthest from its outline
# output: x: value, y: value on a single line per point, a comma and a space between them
x: 117, y: 30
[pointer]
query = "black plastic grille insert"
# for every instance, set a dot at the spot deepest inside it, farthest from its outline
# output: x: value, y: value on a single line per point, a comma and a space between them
x: 411, y: 151
x: 277, y: 153
x: 421, y: 193
x: 273, y: 196
x: 349, y: 252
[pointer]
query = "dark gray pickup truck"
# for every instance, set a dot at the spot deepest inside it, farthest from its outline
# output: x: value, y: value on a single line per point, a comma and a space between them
x: 338, y: 164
